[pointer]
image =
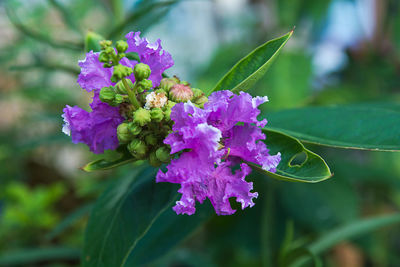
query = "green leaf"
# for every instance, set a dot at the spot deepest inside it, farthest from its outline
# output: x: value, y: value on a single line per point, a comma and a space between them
x: 30, y: 257
x: 349, y: 231
x: 132, y: 222
x: 373, y: 127
x: 69, y: 220
x: 252, y: 67
x: 104, y: 164
x: 312, y: 169
x: 92, y: 40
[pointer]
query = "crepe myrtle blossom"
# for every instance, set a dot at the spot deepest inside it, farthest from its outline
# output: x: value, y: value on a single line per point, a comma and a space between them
x: 206, y: 141
x: 211, y: 141
x: 98, y: 128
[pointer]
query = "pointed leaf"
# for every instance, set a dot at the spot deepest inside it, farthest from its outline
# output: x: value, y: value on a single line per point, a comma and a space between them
x: 373, y: 127
x: 252, y: 67
x: 103, y: 164
x: 132, y: 222
x: 313, y: 168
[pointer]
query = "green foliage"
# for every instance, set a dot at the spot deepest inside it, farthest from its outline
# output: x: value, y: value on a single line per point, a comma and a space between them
x: 120, y: 231
x: 354, y: 126
x: 252, y: 67
x: 310, y: 169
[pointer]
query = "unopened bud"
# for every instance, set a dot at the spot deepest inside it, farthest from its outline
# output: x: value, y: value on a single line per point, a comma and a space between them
x: 141, y: 71
x: 163, y: 154
x: 141, y: 116
x: 123, y: 133
x: 103, y: 57
x: 121, y: 46
x: 151, y: 139
x: 167, y: 83
x: 120, y: 71
x: 167, y: 115
x: 144, y: 85
x: 170, y: 104
x: 105, y: 43
x: 153, y: 160
x: 201, y: 101
x: 134, y: 128
x: 107, y: 94
x: 156, y: 114
x: 117, y: 100
x: 161, y: 91
x: 137, y: 148
x: 120, y: 87
x: 197, y: 93
x: 181, y: 93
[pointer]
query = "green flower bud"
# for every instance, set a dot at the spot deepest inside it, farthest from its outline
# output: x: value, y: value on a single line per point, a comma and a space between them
x: 161, y: 91
x: 163, y: 154
x: 107, y: 65
x: 153, y: 160
x: 181, y: 93
x: 197, y: 93
x: 105, y: 44
x: 185, y: 83
x: 120, y: 87
x: 167, y: 115
x: 120, y: 71
x: 201, y: 101
x: 167, y: 83
x: 141, y: 71
x: 134, y: 128
x: 107, y: 94
x: 144, y: 85
x: 141, y: 116
x: 123, y: 133
x: 103, y: 57
x: 118, y: 100
x: 121, y: 46
x: 151, y: 139
x: 156, y: 114
x: 169, y: 105
x: 137, y: 148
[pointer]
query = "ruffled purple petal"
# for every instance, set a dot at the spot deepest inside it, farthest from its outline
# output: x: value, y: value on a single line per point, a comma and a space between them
x: 245, y: 142
x: 227, y: 109
x: 223, y: 184
x: 97, y: 129
x: 93, y: 75
x: 151, y: 54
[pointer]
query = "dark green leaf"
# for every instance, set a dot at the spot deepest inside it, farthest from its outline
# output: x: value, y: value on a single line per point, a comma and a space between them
x: 28, y: 257
x: 133, y: 223
x: 312, y: 169
x: 69, y: 220
x: 353, y: 126
x: 349, y: 231
x: 103, y: 164
x: 252, y: 67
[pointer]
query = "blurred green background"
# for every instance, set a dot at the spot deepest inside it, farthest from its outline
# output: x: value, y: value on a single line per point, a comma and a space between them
x: 342, y: 51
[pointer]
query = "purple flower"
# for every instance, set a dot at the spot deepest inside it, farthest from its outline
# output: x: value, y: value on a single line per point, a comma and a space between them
x: 94, y: 76
x: 151, y: 54
x: 218, y: 137
x: 97, y: 128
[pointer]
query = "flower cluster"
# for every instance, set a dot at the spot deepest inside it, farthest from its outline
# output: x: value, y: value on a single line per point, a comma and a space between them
x: 218, y: 137
x: 98, y: 128
x: 165, y: 120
